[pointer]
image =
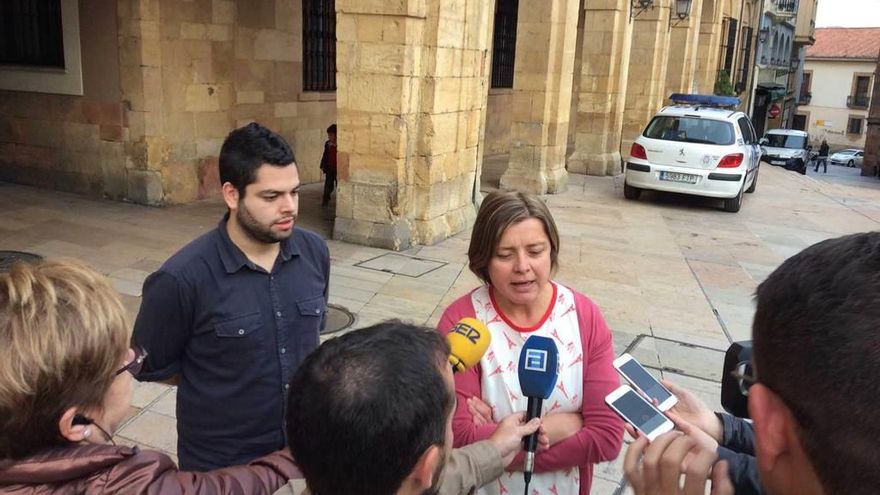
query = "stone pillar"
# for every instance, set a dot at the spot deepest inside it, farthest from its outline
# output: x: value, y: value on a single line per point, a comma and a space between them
x: 546, y: 33
x: 602, y: 89
x: 872, y: 141
x: 140, y: 69
x: 709, y: 47
x: 682, y: 66
x: 411, y: 83
x: 646, y: 89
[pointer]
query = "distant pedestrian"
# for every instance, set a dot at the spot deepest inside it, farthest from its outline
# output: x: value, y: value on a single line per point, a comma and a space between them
x: 328, y: 164
x: 822, y: 159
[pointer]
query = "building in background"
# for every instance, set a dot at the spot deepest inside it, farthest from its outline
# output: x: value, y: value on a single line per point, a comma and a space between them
x: 786, y: 26
x: 838, y: 81
x: 131, y: 99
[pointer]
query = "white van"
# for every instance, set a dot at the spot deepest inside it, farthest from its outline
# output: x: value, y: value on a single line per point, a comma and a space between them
x: 786, y: 147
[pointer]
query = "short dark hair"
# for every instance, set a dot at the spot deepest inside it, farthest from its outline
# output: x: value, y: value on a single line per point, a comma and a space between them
x: 817, y: 345
x: 365, y: 406
x: 246, y: 149
x: 331, y: 129
x: 500, y: 210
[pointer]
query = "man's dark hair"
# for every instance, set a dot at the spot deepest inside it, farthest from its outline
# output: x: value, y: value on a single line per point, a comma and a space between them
x: 817, y: 346
x: 331, y: 129
x: 365, y: 406
x: 248, y: 147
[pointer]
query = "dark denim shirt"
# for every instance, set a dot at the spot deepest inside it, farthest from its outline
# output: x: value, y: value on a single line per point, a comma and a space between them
x: 234, y: 335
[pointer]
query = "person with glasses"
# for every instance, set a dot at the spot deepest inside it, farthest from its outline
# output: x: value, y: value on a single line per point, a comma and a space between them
x: 66, y: 386
x: 814, y: 393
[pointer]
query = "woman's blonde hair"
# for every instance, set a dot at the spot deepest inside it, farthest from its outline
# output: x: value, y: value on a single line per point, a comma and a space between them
x: 63, y: 334
x: 500, y: 210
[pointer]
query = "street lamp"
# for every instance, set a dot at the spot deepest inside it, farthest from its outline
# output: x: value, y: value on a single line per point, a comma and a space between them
x: 682, y: 8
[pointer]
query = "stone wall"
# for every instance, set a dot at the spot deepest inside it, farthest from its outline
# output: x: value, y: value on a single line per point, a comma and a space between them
x: 498, y: 115
x: 71, y: 143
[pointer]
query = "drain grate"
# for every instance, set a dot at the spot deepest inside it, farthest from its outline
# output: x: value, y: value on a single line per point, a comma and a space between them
x: 399, y: 264
x: 338, y: 319
x: 9, y: 258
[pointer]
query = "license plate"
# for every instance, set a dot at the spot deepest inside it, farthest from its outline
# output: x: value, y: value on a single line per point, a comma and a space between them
x: 777, y: 162
x: 679, y: 177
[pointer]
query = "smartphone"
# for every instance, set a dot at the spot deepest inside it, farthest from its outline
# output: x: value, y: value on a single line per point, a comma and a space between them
x: 637, y: 411
x: 644, y: 382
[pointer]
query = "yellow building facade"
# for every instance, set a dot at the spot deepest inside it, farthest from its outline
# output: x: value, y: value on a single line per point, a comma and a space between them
x: 421, y: 90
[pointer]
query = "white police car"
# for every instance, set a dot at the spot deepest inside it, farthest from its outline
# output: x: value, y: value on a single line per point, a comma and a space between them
x: 697, y: 146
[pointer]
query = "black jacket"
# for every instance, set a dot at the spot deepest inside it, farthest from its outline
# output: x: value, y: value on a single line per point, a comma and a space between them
x: 738, y: 449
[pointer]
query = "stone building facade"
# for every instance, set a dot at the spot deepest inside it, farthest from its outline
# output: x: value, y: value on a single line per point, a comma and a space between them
x: 413, y: 90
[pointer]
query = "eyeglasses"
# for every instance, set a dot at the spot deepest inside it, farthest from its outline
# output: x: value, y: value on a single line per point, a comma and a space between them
x: 136, y: 364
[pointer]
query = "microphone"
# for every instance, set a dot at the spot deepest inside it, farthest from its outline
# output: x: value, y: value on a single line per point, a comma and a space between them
x: 468, y: 341
x: 538, y: 371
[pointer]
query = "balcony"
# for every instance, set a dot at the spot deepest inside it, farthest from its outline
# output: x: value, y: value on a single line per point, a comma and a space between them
x: 805, y: 98
x: 858, y: 101
x: 784, y: 9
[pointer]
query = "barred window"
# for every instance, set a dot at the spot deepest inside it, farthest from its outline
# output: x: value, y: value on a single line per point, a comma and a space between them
x: 746, y: 61
x: 319, y: 45
x: 729, y: 46
x: 854, y: 126
x: 504, y: 43
x: 31, y: 34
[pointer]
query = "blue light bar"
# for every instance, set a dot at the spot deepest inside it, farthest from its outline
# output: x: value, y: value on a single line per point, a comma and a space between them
x: 705, y: 100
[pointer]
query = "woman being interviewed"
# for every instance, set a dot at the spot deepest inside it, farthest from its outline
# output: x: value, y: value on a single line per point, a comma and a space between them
x: 66, y: 386
x: 514, y: 250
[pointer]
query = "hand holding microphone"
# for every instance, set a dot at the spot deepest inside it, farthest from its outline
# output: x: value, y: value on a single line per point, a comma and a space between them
x: 538, y: 371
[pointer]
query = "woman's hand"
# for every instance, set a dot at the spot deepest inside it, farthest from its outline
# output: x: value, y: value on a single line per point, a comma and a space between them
x: 693, y: 411
x: 561, y: 426
x: 480, y: 411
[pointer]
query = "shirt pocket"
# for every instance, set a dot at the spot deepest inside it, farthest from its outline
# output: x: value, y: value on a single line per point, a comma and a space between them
x: 241, y: 331
x: 312, y: 306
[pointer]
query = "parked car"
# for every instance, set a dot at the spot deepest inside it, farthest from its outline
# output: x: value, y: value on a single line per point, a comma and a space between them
x: 850, y: 158
x: 788, y: 148
x: 697, y: 146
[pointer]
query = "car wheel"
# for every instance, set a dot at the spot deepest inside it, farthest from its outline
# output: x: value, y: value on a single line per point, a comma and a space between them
x: 850, y: 164
x: 754, y: 185
x: 733, y: 204
x: 801, y: 167
x: 630, y: 192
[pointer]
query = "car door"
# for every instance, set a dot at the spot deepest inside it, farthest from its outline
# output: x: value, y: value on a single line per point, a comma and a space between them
x: 750, y: 144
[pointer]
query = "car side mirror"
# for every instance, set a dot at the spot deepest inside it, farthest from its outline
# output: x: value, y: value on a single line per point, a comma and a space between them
x: 763, y: 141
x: 809, y: 148
x: 737, y: 378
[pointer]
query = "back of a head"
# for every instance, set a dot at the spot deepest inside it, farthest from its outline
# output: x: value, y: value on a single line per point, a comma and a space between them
x: 63, y: 333
x: 246, y: 149
x: 365, y: 406
x: 817, y: 346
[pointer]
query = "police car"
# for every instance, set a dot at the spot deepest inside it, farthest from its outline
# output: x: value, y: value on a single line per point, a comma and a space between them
x: 699, y: 145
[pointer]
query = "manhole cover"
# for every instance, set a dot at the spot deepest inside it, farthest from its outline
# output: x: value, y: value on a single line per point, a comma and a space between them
x: 9, y: 258
x: 399, y: 264
x: 338, y: 318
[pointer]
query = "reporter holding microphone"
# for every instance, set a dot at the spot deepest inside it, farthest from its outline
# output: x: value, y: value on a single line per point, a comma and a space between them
x: 514, y: 250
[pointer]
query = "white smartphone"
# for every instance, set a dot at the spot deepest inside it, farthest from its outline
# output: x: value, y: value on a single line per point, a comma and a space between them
x: 637, y: 411
x: 644, y: 382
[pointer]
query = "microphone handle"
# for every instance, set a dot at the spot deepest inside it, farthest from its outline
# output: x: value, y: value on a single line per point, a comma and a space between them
x: 533, y: 410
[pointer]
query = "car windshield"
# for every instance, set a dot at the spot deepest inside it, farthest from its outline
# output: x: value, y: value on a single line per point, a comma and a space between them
x: 690, y: 130
x: 847, y: 152
x: 786, y: 141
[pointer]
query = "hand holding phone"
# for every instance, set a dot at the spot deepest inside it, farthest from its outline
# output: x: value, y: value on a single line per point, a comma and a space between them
x: 637, y: 411
x: 644, y: 382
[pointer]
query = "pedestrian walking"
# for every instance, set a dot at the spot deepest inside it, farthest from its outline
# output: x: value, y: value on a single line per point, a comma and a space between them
x: 328, y: 164
x: 822, y: 159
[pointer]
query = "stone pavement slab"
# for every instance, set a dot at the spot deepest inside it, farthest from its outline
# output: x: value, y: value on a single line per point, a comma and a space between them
x: 664, y: 269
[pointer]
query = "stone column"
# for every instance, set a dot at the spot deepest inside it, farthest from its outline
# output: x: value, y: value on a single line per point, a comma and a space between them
x: 411, y: 82
x: 682, y: 66
x: 602, y: 89
x: 646, y: 89
x: 545, y: 46
x: 872, y: 139
x: 708, y: 50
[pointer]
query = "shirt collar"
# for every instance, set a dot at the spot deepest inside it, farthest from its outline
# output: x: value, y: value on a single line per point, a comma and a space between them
x: 234, y: 259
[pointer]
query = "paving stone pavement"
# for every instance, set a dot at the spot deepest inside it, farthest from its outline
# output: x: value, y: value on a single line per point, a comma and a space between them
x: 665, y: 270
